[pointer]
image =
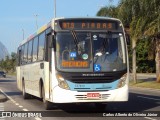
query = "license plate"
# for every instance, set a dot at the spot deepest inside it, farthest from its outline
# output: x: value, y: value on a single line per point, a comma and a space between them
x: 93, y: 95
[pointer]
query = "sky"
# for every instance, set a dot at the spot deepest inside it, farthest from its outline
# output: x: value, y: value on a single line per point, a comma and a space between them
x: 20, y: 16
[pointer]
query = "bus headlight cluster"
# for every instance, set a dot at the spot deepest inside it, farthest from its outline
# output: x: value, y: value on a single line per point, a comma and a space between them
x: 61, y: 82
x: 122, y: 81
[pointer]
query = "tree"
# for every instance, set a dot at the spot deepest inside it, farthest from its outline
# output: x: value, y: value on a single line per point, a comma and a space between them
x: 111, y: 11
x: 153, y: 29
x: 143, y: 20
x: 127, y: 12
x: 13, y: 60
x: 9, y: 63
x: 145, y: 60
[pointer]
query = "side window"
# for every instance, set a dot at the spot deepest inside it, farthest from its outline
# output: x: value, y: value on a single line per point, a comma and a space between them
x: 48, y: 49
x: 25, y: 57
x: 22, y: 53
x: 19, y: 51
x: 35, y: 46
x: 41, y: 46
x: 30, y: 51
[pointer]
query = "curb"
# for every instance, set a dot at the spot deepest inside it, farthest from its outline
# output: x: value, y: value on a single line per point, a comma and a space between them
x: 3, y: 98
x: 143, y: 88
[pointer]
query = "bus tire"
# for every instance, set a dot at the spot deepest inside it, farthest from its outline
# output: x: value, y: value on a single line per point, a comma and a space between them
x: 47, y: 104
x: 25, y: 95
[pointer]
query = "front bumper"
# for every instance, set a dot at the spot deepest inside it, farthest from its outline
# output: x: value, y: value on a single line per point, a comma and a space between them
x: 60, y: 95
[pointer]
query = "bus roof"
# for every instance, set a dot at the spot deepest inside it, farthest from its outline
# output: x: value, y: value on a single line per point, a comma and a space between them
x: 104, y: 18
x: 51, y: 24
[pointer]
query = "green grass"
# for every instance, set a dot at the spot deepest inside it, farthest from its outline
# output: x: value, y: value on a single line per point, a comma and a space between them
x: 12, y: 73
x: 146, y: 84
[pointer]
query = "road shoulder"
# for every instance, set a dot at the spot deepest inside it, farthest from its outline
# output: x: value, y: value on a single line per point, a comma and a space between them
x: 143, y: 88
x: 3, y: 98
x: 145, y: 91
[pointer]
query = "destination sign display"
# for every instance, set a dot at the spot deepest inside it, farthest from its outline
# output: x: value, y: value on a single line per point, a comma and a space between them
x: 88, y: 25
x: 75, y: 64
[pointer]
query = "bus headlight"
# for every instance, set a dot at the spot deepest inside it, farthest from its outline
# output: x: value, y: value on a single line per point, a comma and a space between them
x: 62, y: 83
x: 122, y: 81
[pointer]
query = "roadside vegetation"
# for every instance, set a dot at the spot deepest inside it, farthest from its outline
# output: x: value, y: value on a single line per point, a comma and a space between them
x: 8, y: 64
x: 141, y: 20
x: 145, y: 84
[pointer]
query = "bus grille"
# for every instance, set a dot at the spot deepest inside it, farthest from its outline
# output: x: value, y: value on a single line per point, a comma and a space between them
x: 84, y: 97
x: 92, y: 79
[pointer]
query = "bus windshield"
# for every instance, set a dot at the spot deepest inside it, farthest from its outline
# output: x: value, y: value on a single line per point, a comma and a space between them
x: 90, y: 52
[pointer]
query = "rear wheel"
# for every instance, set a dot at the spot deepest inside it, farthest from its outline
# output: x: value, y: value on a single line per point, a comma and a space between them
x: 47, y: 104
x: 25, y: 95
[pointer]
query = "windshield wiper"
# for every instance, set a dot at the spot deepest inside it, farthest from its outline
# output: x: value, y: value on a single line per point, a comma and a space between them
x: 76, y: 41
x: 75, y: 38
x: 105, y: 42
x: 104, y: 45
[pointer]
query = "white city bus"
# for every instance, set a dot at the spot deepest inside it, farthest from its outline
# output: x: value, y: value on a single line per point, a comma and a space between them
x: 75, y: 60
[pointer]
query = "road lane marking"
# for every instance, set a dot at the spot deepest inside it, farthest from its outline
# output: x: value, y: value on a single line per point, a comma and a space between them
x: 37, y: 118
x: 13, y: 101
x: 20, y: 106
x: 16, y: 104
x: 149, y: 118
x: 148, y: 98
x: 1, y: 107
x: 25, y: 110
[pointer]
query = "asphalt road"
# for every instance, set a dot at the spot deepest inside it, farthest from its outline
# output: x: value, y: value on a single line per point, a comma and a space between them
x: 140, y: 100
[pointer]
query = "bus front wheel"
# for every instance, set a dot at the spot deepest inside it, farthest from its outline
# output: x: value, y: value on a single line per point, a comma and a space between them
x: 25, y: 95
x: 47, y: 104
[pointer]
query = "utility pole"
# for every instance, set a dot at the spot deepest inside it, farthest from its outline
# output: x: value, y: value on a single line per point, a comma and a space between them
x: 54, y: 13
x: 158, y: 20
x: 23, y: 33
x: 36, y: 17
x: 110, y: 3
x: 54, y: 8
